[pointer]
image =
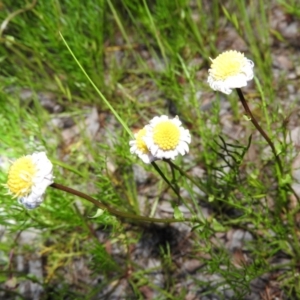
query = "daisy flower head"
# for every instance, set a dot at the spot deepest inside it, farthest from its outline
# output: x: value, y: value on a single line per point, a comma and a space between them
x: 230, y: 70
x: 28, y: 178
x: 166, y: 138
x: 139, y: 147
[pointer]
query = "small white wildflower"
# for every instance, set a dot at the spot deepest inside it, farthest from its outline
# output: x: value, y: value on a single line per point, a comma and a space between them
x: 139, y: 147
x: 230, y: 70
x: 28, y: 179
x: 166, y: 138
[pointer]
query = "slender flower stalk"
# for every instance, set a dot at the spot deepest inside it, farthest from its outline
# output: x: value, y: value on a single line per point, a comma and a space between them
x: 258, y: 127
x: 266, y: 137
x: 183, y: 173
x: 113, y: 211
x: 176, y: 191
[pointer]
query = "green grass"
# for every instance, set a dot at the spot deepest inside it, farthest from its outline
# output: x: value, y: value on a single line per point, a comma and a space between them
x: 147, y: 58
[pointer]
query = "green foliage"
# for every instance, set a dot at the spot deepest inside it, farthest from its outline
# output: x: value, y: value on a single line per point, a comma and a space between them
x: 145, y: 58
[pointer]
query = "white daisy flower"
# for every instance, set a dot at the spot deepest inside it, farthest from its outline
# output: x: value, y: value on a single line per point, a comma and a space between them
x: 139, y: 147
x: 230, y: 70
x: 28, y: 178
x: 165, y: 138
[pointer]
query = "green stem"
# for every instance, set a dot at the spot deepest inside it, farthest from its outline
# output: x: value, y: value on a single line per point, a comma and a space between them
x: 156, y: 200
x: 113, y: 211
x: 67, y: 167
x: 165, y: 179
x: 183, y: 173
x: 122, y: 122
x: 174, y: 181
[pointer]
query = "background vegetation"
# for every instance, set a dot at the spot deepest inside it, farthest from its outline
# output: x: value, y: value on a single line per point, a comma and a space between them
x: 149, y: 58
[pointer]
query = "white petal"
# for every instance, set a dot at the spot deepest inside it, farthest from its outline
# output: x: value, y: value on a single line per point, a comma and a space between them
x: 181, y: 149
x: 185, y: 146
x: 133, y: 149
x: 154, y: 149
x: 31, y: 201
x: 147, y: 158
x: 176, y: 121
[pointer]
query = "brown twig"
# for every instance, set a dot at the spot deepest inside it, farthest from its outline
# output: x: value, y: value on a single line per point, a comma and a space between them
x: 114, y: 211
x: 266, y: 137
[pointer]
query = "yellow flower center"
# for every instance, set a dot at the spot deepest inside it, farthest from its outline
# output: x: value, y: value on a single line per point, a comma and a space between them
x: 166, y: 135
x: 141, y: 145
x: 227, y: 64
x: 20, y: 176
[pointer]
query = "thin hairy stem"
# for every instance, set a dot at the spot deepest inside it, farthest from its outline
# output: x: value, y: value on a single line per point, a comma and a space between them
x: 265, y: 136
x: 166, y: 179
x: 113, y: 211
x: 183, y: 173
x: 258, y: 127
